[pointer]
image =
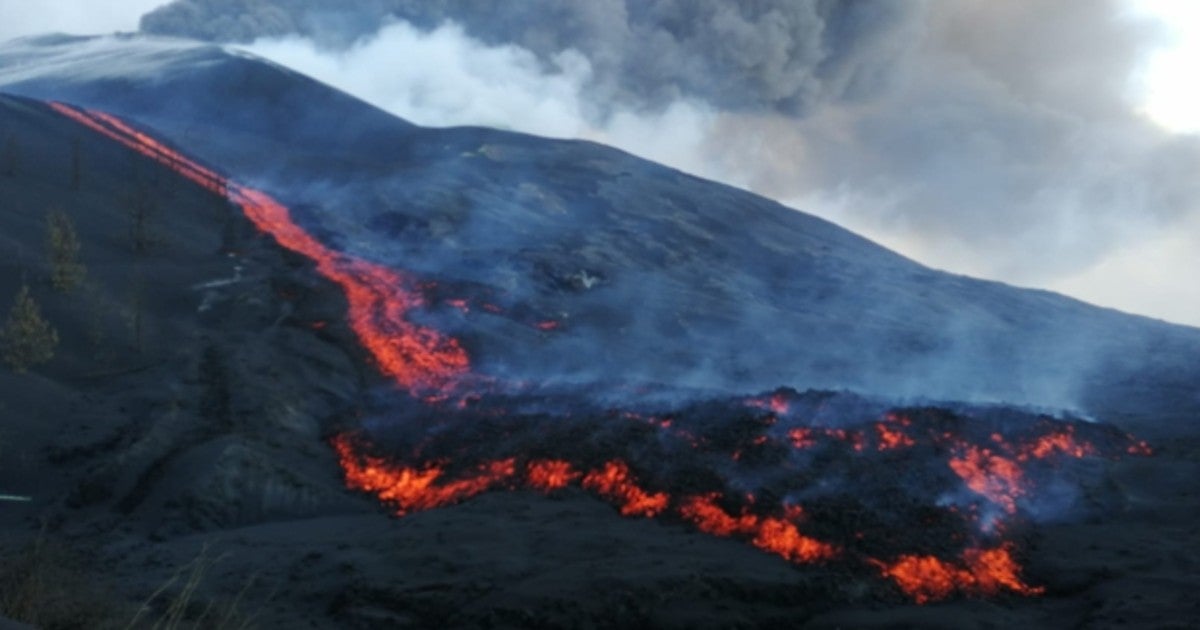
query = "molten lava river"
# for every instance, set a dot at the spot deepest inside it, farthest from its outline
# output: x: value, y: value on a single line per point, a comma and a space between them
x: 932, y: 501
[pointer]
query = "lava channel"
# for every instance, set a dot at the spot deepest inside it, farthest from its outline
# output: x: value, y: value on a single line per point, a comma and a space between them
x: 421, y: 360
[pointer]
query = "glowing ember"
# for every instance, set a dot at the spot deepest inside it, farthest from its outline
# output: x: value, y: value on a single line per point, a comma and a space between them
x: 1062, y: 442
x: 614, y: 482
x: 802, y: 437
x: 710, y: 518
x: 552, y: 474
x: 414, y: 489
x: 981, y: 573
x: 781, y: 537
x: 776, y: 535
x: 890, y: 438
x: 995, y: 477
x: 776, y: 403
x: 853, y: 438
x: 999, y: 477
x: 1139, y: 447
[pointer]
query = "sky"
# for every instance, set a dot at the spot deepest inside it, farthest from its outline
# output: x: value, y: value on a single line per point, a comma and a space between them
x: 1136, y: 276
x: 32, y: 17
x: 1049, y: 145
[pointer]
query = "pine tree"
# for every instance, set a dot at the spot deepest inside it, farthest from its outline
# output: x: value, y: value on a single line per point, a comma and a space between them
x: 10, y: 156
x: 62, y: 245
x: 26, y: 339
x: 140, y: 208
x: 76, y: 164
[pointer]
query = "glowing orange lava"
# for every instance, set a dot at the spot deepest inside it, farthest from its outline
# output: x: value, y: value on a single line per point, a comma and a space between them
x: 1060, y: 442
x: 419, y: 359
x: 1139, y: 447
x: 981, y: 572
x: 410, y: 489
x: 551, y: 474
x: 779, y: 536
x: 998, y: 478
x: 777, y: 403
x: 615, y: 483
x: 890, y: 438
x: 802, y: 437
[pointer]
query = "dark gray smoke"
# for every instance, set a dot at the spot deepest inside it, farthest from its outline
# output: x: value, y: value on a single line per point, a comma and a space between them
x: 778, y: 55
x: 993, y: 138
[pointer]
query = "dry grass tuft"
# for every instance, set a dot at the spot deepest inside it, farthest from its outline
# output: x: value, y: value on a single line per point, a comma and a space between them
x: 47, y: 586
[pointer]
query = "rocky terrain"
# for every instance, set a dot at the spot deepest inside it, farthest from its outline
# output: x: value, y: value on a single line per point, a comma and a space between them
x: 176, y: 448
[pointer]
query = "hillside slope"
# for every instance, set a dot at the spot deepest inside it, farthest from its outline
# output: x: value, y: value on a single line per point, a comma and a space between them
x: 582, y: 263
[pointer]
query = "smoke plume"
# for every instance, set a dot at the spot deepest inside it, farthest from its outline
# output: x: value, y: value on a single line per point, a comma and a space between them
x: 997, y: 139
x: 777, y: 56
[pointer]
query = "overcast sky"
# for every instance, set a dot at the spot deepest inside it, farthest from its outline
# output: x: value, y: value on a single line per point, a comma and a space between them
x: 32, y: 17
x: 1044, y: 144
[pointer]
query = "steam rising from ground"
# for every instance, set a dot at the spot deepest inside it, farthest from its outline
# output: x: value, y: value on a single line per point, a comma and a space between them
x: 996, y: 139
x: 454, y: 80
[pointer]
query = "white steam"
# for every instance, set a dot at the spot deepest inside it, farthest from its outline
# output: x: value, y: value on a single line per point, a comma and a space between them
x: 966, y: 163
x: 444, y: 78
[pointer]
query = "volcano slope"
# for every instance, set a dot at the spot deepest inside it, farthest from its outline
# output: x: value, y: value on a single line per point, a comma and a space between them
x: 204, y: 366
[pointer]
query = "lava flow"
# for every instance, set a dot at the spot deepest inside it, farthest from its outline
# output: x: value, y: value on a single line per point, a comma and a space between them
x: 420, y: 359
x: 922, y: 498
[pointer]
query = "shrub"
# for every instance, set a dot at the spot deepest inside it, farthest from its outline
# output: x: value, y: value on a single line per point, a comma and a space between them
x: 10, y: 156
x: 48, y: 585
x: 62, y: 245
x: 140, y: 209
x: 27, y: 339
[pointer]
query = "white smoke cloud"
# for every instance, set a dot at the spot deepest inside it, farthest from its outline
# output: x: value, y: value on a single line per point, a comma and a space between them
x: 445, y: 78
x: 970, y: 163
x: 1158, y: 274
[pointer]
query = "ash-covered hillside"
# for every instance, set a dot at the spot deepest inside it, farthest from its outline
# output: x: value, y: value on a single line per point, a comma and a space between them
x: 569, y: 261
